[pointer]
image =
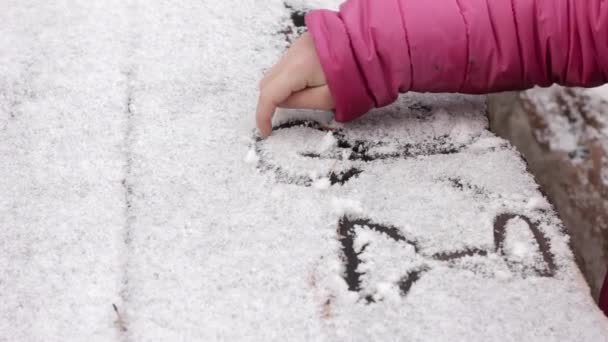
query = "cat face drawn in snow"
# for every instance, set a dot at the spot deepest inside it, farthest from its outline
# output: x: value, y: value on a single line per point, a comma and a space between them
x: 520, y: 258
x: 300, y: 152
x: 380, y: 259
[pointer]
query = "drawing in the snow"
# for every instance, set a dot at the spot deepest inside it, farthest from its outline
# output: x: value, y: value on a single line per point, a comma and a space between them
x: 138, y: 204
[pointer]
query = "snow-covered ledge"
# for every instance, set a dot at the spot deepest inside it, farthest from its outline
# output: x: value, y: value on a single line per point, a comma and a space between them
x: 422, y: 218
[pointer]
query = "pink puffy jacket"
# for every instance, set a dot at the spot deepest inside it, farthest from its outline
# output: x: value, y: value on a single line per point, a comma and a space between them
x: 371, y: 50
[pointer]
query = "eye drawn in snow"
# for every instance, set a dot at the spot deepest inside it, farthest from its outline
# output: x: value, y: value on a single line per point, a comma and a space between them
x: 420, y: 107
x: 466, y: 186
x: 265, y: 151
x: 515, y: 253
x: 359, y: 274
x: 302, y: 151
x: 296, y: 24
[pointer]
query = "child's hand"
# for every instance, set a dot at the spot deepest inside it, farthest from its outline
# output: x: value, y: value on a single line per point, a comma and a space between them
x: 296, y: 81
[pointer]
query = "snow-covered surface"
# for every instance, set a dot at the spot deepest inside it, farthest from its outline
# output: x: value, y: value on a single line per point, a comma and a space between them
x: 601, y: 92
x: 130, y: 175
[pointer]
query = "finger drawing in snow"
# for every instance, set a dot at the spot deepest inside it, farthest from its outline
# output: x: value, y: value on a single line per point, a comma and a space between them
x: 303, y: 151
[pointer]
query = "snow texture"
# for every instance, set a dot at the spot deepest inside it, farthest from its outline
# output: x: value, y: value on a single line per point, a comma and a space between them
x: 136, y: 203
x: 572, y: 116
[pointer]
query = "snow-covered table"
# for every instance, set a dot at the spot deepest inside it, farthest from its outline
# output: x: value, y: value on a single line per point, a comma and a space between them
x: 136, y: 203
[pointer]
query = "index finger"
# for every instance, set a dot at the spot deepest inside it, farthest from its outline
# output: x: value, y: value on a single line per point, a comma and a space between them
x: 275, y: 92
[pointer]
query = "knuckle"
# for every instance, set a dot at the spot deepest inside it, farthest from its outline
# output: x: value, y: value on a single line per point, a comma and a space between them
x: 299, y: 64
x: 265, y: 98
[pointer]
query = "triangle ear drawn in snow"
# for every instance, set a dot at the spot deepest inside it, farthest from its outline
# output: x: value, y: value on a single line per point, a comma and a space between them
x: 516, y: 252
x: 347, y: 231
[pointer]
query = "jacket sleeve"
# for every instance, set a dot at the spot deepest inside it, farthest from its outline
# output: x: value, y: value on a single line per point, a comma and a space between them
x: 373, y: 49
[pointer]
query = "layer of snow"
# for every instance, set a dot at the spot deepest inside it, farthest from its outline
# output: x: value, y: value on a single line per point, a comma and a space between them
x: 520, y: 246
x: 251, y: 157
x: 572, y: 118
x: 63, y: 105
x: 130, y: 175
x: 601, y: 92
